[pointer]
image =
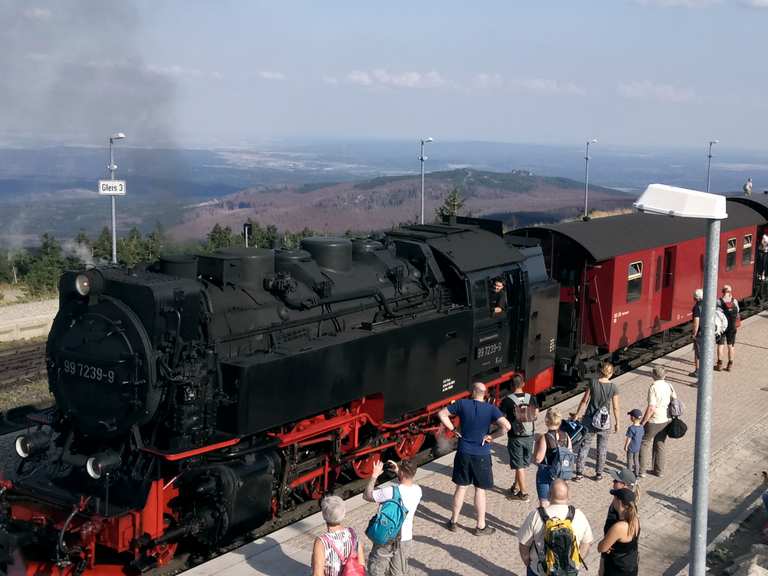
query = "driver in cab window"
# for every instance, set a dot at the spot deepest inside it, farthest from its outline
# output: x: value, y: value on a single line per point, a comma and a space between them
x: 498, y: 297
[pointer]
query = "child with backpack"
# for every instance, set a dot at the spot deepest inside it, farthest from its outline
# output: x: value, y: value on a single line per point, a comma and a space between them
x: 391, y: 528
x: 553, y: 453
x: 554, y: 539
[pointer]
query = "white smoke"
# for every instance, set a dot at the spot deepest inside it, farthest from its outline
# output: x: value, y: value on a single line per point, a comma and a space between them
x: 80, y: 251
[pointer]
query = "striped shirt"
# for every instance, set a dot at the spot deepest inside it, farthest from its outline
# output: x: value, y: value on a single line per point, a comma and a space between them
x: 344, y: 541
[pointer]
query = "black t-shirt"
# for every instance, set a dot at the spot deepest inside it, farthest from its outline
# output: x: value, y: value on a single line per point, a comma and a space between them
x: 697, y: 310
x: 508, y: 407
x: 498, y: 300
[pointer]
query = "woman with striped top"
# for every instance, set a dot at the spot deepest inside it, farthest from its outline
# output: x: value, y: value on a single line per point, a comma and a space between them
x: 337, y: 540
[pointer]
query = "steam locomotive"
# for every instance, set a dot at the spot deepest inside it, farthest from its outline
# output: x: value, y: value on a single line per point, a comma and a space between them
x: 201, y: 396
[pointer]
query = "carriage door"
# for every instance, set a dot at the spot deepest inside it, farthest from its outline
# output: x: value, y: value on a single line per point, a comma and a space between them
x: 668, y: 282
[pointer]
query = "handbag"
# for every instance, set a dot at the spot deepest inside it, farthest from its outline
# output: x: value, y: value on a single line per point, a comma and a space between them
x: 677, y: 428
x: 350, y: 566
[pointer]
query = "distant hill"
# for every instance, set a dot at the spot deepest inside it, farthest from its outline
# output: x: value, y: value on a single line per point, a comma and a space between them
x: 518, y: 197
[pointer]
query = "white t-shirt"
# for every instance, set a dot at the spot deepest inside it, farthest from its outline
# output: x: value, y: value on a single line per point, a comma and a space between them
x: 411, y: 496
x: 532, y: 529
x: 659, y: 395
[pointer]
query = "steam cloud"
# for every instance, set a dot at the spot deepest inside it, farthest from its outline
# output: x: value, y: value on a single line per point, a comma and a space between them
x: 71, y: 69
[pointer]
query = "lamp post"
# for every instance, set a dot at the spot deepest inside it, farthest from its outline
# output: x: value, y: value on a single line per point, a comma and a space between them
x: 586, y: 178
x: 660, y: 199
x: 422, y: 158
x: 112, y: 169
x: 709, y: 159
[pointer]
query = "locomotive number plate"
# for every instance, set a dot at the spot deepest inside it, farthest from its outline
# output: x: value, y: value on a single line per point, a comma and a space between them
x: 89, y: 371
x: 488, y: 350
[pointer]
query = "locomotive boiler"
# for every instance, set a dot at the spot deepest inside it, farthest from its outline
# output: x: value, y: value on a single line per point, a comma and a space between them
x: 201, y: 396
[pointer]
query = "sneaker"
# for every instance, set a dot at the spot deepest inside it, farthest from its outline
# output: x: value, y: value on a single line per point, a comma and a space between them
x: 693, y: 374
x: 519, y: 496
x: 728, y: 366
x: 450, y: 525
x: 577, y: 478
x: 513, y: 492
x: 487, y: 531
x: 719, y: 366
x: 598, y: 477
x: 641, y: 475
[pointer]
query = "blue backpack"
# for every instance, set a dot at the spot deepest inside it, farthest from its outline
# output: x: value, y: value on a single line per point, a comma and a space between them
x: 561, y: 459
x: 388, y: 520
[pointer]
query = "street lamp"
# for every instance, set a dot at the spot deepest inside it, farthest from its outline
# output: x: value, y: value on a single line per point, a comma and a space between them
x: 671, y: 201
x: 586, y: 178
x: 709, y: 159
x: 422, y: 158
x: 112, y: 168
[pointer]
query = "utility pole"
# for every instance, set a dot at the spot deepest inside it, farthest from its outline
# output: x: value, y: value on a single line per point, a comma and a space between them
x: 112, y: 169
x: 586, y: 179
x: 422, y: 158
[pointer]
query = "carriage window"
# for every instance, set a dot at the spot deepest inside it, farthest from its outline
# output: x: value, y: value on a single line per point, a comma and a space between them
x: 746, y: 253
x: 730, y: 255
x: 634, y: 281
x: 658, y: 274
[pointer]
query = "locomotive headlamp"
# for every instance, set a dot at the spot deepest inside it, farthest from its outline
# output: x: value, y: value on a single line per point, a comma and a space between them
x: 102, y: 463
x: 89, y: 283
x: 83, y: 284
x: 30, y: 444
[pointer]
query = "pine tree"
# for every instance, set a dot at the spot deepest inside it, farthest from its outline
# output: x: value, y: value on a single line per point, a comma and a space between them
x: 102, y: 247
x: 451, y: 206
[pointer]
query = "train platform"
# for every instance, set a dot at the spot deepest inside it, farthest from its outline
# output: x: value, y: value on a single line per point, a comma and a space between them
x: 739, y: 448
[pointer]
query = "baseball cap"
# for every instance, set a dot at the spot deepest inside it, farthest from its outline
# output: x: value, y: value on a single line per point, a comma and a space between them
x: 623, y: 475
x: 624, y: 494
x: 635, y: 413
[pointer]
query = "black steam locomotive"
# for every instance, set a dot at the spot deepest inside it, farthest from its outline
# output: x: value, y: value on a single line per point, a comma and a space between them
x: 204, y: 395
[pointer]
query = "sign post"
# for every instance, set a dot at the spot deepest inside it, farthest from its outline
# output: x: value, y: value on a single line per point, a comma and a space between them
x: 113, y: 188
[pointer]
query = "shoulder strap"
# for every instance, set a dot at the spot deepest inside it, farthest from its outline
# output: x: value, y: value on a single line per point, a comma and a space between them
x: 571, y: 513
x: 543, y: 514
x: 396, y: 492
x: 335, y: 548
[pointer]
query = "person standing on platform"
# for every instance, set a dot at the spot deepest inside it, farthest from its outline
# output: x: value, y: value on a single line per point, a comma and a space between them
x: 730, y: 307
x: 655, y: 420
x: 633, y: 439
x: 762, y: 258
x: 522, y: 410
x: 472, y: 464
x: 698, y: 296
x: 747, y: 187
x: 619, y: 546
x: 333, y: 548
x: 546, y: 454
x: 571, y: 545
x: 600, y: 396
x: 622, y: 478
x: 391, y: 559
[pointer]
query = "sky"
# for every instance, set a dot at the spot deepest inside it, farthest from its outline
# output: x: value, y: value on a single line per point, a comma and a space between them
x: 635, y: 73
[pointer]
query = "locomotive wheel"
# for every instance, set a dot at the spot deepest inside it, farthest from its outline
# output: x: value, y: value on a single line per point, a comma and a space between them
x: 363, y: 467
x: 314, y: 488
x: 409, y: 446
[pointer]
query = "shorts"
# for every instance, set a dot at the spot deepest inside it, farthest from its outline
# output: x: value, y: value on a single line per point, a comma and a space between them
x: 471, y: 469
x: 543, y: 482
x: 520, y: 450
x: 727, y: 337
x: 697, y: 348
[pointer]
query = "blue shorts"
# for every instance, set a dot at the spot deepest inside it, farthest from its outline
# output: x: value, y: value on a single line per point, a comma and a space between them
x: 543, y: 482
x: 470, y: 469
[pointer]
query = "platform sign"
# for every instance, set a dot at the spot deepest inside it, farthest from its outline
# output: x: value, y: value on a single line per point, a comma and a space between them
x: 112, y: 187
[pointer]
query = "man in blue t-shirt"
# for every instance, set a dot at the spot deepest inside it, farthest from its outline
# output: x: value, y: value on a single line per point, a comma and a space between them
x: 472, y: 464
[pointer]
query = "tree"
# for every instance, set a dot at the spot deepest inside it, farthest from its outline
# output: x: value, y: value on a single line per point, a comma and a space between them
x: 220, y: 237
x: 102, y: 247
x: 154, y: 242
x: 130, y: 250
x: 46, y: 268
x: 451, y: 206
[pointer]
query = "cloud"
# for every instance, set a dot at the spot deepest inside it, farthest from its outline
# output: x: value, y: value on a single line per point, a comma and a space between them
x: 755, y: 3
x: 545, y: 86
x: 646, y: 90
x: 271, y: 75
x: 678, y: 3
x: 37, y: 13
x: 484, y: 80
x: 382, y: 77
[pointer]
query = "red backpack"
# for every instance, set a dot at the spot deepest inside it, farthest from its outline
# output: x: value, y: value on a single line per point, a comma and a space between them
x: 350, y: 566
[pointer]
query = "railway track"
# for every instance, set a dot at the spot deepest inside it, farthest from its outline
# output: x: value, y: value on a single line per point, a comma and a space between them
x: 21, y: 363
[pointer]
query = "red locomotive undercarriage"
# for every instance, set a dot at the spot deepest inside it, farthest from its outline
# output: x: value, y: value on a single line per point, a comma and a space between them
x: 148, y: 536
